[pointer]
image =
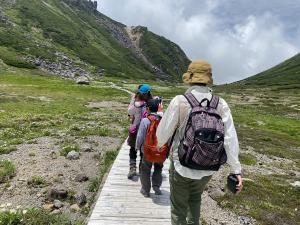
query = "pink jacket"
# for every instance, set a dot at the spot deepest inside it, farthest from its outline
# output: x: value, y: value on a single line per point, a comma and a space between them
x: 135, y: 112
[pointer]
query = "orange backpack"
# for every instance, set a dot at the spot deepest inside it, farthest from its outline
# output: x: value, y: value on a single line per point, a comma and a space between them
x: 151, y: 151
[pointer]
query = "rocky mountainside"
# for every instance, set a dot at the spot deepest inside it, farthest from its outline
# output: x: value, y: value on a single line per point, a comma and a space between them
x: 71, y: 38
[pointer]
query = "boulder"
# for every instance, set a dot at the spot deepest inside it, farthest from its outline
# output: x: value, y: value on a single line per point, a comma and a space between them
x: 58, y: 193
x: 73, y: 155
x: 86, y: 148
x: 48, y: 206
x: 83, y: 81
x: 216, y: 193
x: 55, y: 212
x: 74, y: 208
x: 81, y: 199
x: 58, y: 204
x: 296, y: 184
x: 81, y: 178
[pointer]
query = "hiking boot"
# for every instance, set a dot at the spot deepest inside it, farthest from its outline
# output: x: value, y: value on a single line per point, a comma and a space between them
x: 132, y: 172
x: 157, y: 191
x: 144, y: 193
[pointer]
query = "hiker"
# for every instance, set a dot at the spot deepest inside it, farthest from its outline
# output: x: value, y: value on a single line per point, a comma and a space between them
x: 202, y: 142
x: 152, y: 156
x: 136, y: 111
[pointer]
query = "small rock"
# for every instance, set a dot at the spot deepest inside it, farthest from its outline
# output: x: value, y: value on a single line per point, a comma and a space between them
x: 53, y: 155
x: 48, y: 206
x: 55, y: 212
x: 22, y: 179
x: 83, y: 81
x: 86, y: 148
x: 58, y: 193
x: 81, y: 199
x: 74, y: 208
x: 260, y: 123
x: 293, y: 174
x: 58, y: 204
x: 216, y: 193
x: 296, y: 184
x: 81, y: 178
x: 244, y: 220
x: 73, y: 155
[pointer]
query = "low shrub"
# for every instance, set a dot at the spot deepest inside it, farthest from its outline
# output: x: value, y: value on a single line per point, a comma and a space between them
x: 7, y: 170
x: 37, y: 181
x: 66, y: 148
x: 34, y: 217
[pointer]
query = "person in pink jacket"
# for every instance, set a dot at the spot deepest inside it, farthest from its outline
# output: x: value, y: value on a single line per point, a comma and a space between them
x: 136, y: 111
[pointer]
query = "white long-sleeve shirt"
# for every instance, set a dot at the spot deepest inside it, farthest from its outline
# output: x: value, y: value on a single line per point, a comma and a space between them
x: 175, y: 119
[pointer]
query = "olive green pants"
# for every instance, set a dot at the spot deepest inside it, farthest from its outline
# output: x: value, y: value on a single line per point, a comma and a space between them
x: 185, y: 198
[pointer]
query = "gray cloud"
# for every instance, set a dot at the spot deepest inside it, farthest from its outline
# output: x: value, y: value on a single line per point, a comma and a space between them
x: 239, y: 38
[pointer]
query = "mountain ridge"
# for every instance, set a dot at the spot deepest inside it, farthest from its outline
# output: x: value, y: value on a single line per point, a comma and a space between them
x: 35, y: 32
x: 285, y: 73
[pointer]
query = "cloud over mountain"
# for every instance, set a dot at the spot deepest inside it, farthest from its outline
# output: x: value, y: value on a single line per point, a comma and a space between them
x: 238, y: 38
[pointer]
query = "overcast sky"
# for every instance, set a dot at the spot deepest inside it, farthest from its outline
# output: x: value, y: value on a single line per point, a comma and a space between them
x: 238, y: 37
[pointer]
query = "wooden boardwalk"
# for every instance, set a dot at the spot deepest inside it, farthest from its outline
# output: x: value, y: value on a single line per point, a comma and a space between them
x: 120, y: 201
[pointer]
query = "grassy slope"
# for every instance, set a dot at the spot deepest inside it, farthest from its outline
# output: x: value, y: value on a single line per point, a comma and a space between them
x: 158, y: 49
x: 44, y: 27
x: 286, y: 73
x: 54, y: 26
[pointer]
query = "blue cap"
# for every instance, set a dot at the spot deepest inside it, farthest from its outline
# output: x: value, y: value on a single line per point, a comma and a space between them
x: 144, y: 88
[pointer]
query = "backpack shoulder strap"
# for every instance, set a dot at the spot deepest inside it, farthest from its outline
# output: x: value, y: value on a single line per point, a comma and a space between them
x: 150, y: 118
x: 191, y: 99
x: 214, y: 102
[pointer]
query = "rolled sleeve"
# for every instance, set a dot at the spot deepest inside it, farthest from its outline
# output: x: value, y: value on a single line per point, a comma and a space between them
x: 168, y: 123
x: 231, y: 143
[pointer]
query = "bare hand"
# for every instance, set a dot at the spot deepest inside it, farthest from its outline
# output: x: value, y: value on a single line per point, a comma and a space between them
x: 239, y: 186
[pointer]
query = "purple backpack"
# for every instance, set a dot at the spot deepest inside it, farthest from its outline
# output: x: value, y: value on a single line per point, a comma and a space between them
x: 202, y: 147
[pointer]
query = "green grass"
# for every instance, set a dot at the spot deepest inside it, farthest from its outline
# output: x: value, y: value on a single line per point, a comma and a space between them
x: 248, y: 159
x: 66, y: 148
x: 158, y: 49
x: 271, y: 128
x: 106, y: 163
x: 34, y: 217
x: 64, y: 111
x: 37, y: 181
x: 269, y: 199
x: 11, y: 58
x: 7, y: 170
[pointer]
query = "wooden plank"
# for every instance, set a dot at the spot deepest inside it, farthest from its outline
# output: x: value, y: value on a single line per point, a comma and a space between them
x: 120, y: 201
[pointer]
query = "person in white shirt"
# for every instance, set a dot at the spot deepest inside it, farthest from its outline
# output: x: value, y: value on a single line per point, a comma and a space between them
x: 187, y: 185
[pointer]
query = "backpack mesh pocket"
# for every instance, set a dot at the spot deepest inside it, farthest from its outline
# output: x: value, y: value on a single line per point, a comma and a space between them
x: 208, y: 154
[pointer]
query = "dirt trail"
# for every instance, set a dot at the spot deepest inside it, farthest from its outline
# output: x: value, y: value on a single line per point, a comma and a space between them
x: 113, y: 85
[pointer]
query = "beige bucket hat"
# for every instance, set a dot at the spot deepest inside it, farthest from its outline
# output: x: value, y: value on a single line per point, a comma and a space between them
x: 198, y: 72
